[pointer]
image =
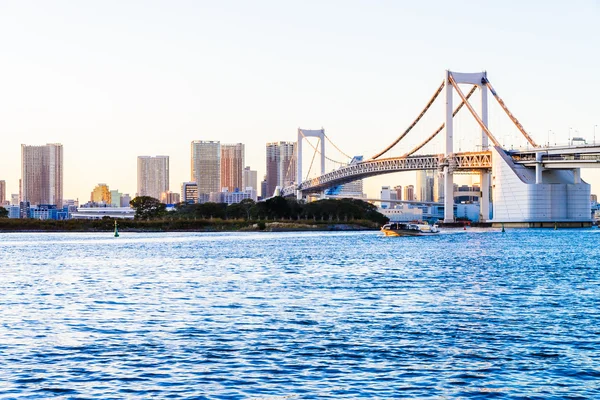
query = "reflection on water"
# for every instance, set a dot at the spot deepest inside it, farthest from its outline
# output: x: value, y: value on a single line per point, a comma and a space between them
x: 304, y: 315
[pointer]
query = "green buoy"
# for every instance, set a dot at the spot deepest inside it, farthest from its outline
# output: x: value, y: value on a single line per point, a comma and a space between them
x: 116, y: 229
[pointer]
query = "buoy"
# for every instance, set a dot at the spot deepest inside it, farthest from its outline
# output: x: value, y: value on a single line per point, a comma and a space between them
x: 116, y: 229
x: 503, y: 228
x: 555, y: 226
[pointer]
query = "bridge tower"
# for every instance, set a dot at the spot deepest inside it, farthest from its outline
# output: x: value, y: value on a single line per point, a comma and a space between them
x: 479, y: 79
x: 304, y: 133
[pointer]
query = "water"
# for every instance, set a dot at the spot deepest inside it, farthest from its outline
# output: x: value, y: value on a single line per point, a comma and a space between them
x: 477, y: 314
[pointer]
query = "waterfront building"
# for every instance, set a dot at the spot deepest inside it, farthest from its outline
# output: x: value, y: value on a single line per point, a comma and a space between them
x: 409, y: 192
x: 42, y: 174
x: 249, y: 179
x: 14, y: 211
x: 281, y: 165
x: 206, y: 165
x: 232, y: 164
x: 169, y: 197
x: 189, y: 192
x: 2, y: 192
x: 101, y: 212
x: 424, y: 189
x: 152, y: 176
x: 14, y: 199
x: 101, y: 194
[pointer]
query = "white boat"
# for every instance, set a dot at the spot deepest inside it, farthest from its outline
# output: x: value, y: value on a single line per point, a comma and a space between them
x: 409, y: 229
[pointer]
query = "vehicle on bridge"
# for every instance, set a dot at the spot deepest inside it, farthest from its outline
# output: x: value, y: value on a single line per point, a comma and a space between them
x: 409, y: 229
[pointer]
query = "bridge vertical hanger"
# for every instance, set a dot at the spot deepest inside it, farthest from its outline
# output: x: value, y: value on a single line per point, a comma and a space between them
x: 304, y: 133
x: 448, y: 177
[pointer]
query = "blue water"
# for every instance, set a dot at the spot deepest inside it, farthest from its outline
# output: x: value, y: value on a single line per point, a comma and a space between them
x: 476, y: 314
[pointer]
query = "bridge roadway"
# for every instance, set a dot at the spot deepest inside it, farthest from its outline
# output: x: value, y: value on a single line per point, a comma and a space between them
x: 561, y: 157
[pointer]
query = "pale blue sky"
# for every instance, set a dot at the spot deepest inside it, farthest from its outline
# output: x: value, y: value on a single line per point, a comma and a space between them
x: 112, y: 80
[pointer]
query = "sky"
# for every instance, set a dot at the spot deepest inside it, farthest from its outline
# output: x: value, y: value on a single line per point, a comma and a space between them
x: 114, y: 80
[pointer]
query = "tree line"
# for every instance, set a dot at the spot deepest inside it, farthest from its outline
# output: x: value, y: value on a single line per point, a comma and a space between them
x: 275, y: 208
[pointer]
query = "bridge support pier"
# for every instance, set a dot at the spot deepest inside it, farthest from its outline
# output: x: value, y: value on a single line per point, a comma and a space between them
x: 484, y: 200
x: 448, y: 195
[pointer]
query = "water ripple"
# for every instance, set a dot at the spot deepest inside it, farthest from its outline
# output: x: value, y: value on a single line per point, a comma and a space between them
x: 476, y: 314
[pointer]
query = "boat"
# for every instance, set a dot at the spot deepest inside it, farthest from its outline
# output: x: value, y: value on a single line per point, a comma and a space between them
x: 409, y: 229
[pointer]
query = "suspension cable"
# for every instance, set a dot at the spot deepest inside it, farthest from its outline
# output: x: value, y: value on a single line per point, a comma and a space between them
x: 510, y: 115
x: 312, y: 161
x: 337, y: 148
x: 462, y: 103
x: 473, y: 112
x: 435, y: 95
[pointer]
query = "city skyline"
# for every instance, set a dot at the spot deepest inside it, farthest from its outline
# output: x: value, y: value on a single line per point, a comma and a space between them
x: 253, y: 79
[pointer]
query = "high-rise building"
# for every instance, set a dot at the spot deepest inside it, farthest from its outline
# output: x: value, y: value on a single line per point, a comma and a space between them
x: 398, y: 190
x: 263, y: 188
x: 153, y: 176
x: 249, y: 179
x: 14, y: 199
x: 2, y: 192
x: 409, y: 192
x: 281, y: 165
x: 101, y: 194
x: 206, y: 165
x: 189, y: 192
x: 385, y: 194
x: 425, y: 185
x: 42, y: 174
x: 232, y: 164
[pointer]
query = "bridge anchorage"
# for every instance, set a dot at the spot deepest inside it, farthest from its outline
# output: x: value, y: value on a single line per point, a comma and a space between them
x: 537, y: 186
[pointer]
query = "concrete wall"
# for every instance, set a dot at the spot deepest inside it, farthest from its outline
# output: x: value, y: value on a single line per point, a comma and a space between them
x: 517, y: 198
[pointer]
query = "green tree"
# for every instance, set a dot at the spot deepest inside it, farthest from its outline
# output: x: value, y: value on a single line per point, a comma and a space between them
x: 147, y: 207
x: 3, y: 212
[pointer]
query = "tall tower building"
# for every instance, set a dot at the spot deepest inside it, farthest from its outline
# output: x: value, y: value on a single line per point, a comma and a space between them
x: 409, y: 192
x: 398, y: 190
x: 101, y: 194
x: 232, y: 164
x: 153, y: 176
x: 2, y: 192
x: 281, y: 165
x: 206, y: 165
x: 42, y: 174
x: 249, y: 179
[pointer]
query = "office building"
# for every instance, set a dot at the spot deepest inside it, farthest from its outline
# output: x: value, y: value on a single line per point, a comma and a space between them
x: 249, y: 179
x: 232, y: 165
x: 189, y: 192
x: 101, y: 194
x: 206, y: 165
x: 14, y: 199
x: 153, y: 176
x: 281, y: 165
x: 385, y: 194
x: 42, y: 174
